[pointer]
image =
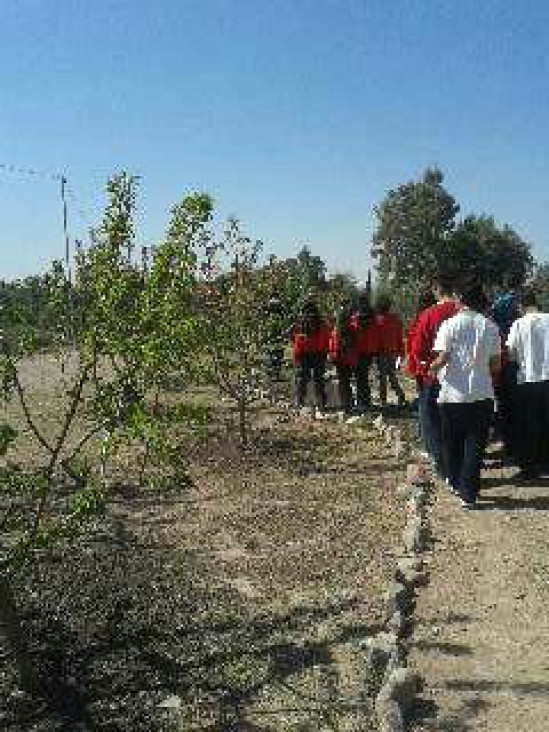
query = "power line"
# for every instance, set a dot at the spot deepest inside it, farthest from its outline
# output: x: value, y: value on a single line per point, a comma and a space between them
x: 10, y: 168
x: 58, y: 178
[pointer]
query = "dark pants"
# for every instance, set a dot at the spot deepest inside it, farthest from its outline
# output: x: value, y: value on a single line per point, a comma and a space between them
x: 311, y: 365
x: 429, y: 421
x: 344, y: 375
x: 505, y: 399
x: 531, y: 426
x: 363, y: 393
x: 465, y: 428
x: 275, y: 359
x: 386, y: 364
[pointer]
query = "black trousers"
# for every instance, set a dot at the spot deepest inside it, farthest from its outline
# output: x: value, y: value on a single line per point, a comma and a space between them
x: 344, y: 375
x: 311, y: 365
x: 386, y: 365
x: 274, y: 361
x: 531, y: 426
x: 363, y: 392
x: 430, y: 422
x: 505, y: 399
x: 464, y: 430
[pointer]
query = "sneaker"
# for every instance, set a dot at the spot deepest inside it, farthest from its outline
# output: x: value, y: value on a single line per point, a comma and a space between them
x: 449, y: 485
x: 525, y: 476
x: 353, y: 419
x: 467, y: 504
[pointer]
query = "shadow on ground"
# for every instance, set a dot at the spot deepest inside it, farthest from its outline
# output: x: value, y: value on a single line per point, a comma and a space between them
x: 124, y: 626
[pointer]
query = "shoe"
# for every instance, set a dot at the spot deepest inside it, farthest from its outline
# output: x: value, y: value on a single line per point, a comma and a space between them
x: 353, y: 419
x: 467, y: 504
x: 449, y: 485
x: 525, y: 476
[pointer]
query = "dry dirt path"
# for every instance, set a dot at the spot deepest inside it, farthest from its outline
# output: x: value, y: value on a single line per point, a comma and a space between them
x: 482, y: 641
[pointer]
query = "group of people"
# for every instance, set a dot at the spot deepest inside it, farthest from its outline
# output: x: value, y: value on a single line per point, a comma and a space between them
x: 479, y: 365
x: 361, y: 336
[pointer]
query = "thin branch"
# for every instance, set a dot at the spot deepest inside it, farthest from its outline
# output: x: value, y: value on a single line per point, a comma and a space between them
x: 34, y: 429
x: 58, y: 447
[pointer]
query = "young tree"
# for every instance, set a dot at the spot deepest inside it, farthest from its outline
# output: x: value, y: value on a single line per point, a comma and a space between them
x: 235, y: 292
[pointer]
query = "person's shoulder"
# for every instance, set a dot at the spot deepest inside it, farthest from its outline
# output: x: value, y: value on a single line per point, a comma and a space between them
x: 427, y: 315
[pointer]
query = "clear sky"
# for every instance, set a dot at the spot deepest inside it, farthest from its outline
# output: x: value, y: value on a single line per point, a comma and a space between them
x: 296, y: 115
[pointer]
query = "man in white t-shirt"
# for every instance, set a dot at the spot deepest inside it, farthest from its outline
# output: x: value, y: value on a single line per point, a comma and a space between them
x: 528, y: 344
x: 468, y: 347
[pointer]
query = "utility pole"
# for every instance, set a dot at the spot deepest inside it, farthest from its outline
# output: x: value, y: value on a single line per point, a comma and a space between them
x: 66, y: 228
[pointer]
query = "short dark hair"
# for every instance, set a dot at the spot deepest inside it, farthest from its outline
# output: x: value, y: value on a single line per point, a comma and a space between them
x: 384, y: 302
x: 529, y: 298
x: 474, y: 297
x: 445, y: 281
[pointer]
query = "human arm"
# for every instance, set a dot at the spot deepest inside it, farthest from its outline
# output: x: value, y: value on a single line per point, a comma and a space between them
x: 442, y: 347
x: 439, y: 363
x: 512, y: 343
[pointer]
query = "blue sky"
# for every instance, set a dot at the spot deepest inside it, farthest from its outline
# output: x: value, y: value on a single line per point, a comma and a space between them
x: 296, y: 115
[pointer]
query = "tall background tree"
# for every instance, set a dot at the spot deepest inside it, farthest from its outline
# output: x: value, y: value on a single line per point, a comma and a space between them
x: 412, y: 221
x: 496, y: 256
x: 417, y: 234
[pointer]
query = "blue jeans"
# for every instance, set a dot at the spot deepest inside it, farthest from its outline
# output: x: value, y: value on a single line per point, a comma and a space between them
x: 429, y: 422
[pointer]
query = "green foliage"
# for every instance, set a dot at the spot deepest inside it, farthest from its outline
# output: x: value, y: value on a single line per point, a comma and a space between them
x: 235, y: 331
x: 540, y: 283
x: 412, y: 222
x: 8, y: 435
x: 496, y: 257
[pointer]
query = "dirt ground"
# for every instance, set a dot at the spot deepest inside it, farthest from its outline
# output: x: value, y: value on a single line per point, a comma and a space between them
x: 481, y: 641
x: 237, y: 599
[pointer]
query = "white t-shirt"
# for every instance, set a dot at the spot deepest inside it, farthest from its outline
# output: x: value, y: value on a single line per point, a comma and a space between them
x: 470, y: 340
x: 528, y: 341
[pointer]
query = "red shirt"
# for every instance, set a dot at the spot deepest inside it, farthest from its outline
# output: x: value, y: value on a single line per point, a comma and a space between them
x: 346, y: 357
x: 410, y: 364
x: 366, y: 339
x: 421, y: 353
x: 391, y: 339
x: 318, y: 342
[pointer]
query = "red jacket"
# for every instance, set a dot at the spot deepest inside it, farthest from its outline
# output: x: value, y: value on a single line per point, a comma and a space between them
x: 410, y: 363
x: 317, y: 342
x: 366, y: 339
x: 391, y: 337
x: 426, y: 325
x: 341, y: 357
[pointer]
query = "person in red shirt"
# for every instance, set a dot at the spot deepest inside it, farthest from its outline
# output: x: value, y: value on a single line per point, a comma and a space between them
x: 343, y: 354
x: 366, y: 347
x: 310, y: 338
x: 421, y: 356
x: 391, y: 347
x: 424, y: 301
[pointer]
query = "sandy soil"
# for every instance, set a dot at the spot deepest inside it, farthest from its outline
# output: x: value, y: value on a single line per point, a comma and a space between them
x: 481, y: 642
x: 242, y: 594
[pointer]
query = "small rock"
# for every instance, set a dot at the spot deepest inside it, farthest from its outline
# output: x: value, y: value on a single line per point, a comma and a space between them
x: 378, y: 423
x: 381, y: 655
x: 398, y: 598
x: 388, y: 715
x: 417, y: 474
x: 171, y: 702
x: 402, y: 687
